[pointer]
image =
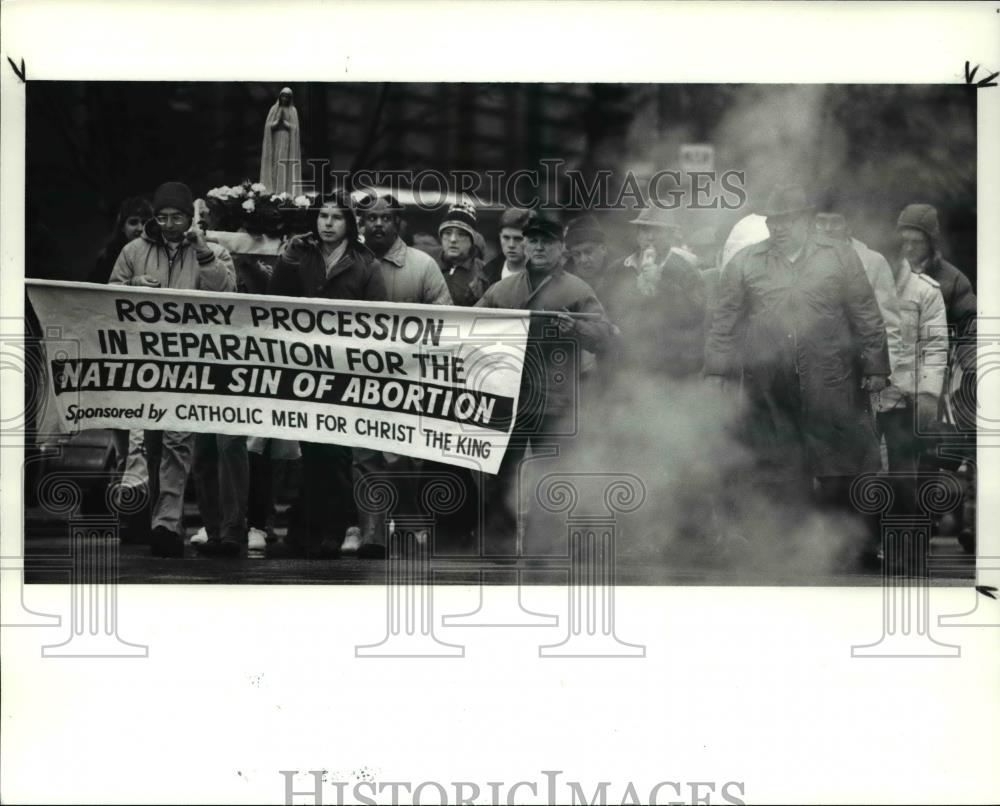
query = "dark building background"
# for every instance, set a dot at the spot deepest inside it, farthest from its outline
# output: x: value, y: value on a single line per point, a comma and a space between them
x: 90, y: 144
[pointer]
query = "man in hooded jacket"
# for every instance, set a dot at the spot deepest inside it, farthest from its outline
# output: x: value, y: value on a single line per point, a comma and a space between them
x: 171, y: 253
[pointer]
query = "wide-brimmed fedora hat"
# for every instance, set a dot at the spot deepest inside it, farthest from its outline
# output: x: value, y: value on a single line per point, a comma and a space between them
x: 787, y: 200
x: 655, y: 217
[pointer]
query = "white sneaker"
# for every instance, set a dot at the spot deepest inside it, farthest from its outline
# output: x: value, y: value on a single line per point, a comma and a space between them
x: 199, y: 537
x: 256, y: 539
x: 352, y: 541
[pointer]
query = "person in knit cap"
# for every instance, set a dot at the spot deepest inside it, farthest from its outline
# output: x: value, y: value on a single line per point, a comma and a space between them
x: 457, y: 256
x: 920, y: 249
x: 171, y: 253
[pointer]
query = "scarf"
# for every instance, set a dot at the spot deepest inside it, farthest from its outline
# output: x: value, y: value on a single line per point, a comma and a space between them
x: 334, y: 257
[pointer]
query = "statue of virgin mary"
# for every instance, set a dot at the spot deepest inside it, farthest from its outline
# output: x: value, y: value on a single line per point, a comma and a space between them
x: 281, y: 154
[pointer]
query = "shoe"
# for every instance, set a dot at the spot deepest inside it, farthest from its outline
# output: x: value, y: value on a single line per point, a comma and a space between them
x: 352, y: 541
x: 164, y: 543
x: 134, y: 528
x: 372, y: 551
x: 256, y: 539
x: 199, y: 537
x: 327, y: 550
x: 284, y: 551
x: 220, y: 548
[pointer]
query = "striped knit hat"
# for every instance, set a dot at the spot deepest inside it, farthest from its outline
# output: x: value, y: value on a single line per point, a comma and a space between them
x: 462, y: 214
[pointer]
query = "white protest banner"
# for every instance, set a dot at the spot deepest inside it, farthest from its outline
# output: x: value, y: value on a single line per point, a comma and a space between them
x: 428, y: 381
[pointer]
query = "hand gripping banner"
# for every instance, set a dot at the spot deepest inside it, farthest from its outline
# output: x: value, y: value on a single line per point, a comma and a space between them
x: 428, y: 381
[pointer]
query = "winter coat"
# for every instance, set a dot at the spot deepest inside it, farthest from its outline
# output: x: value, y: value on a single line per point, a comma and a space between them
x: 710, y: 279
x: 559, y: 290
x: 804, y: 334
x: 147, y: 254
x: 466, y: 281
x: 301, y: 272
x: 664, y: 332
x: 880, y: 275
x: 960, y: 307
x: 924, y: 331
x: 493, y: 269
x: 412, y: 276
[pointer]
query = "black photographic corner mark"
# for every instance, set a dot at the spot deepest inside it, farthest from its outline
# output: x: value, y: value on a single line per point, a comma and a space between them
x: 19, y: 73
x: 986, y: 590
x: 982, y: 83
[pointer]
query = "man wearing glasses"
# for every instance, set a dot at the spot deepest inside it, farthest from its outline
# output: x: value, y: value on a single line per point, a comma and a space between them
x: 172, y: 254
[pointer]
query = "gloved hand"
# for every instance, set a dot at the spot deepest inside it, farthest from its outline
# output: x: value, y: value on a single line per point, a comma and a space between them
x: 297, y: 247
x: 874, y: 383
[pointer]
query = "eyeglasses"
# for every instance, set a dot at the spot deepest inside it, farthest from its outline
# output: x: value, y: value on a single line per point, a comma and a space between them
x: 176, y: 218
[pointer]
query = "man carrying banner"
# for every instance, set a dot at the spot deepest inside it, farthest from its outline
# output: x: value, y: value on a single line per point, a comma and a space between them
x: 456, y: 256
x: 410, y: 275
x: 333, y: 264
x: 171, y: 254
x: 547, y: 391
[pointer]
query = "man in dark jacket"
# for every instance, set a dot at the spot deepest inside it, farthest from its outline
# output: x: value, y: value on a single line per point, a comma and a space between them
x: 797, y: 314
x: 511, y: 257
x: 456, y: 256
x: 656, y: 298
x: 330, y: 263
x: 587, y: 247
x: 920, y: 239
x: 547, y: 397
x: 459, y: 261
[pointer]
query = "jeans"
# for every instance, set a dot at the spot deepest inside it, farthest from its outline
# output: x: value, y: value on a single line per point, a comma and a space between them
x: 168, y: 457
x: 131, y: 457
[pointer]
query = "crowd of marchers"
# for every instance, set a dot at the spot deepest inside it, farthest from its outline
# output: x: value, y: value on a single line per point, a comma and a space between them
x: 844, y: 360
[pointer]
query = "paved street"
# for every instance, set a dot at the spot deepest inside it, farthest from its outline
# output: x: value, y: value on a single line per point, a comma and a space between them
x: 48, y: 555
